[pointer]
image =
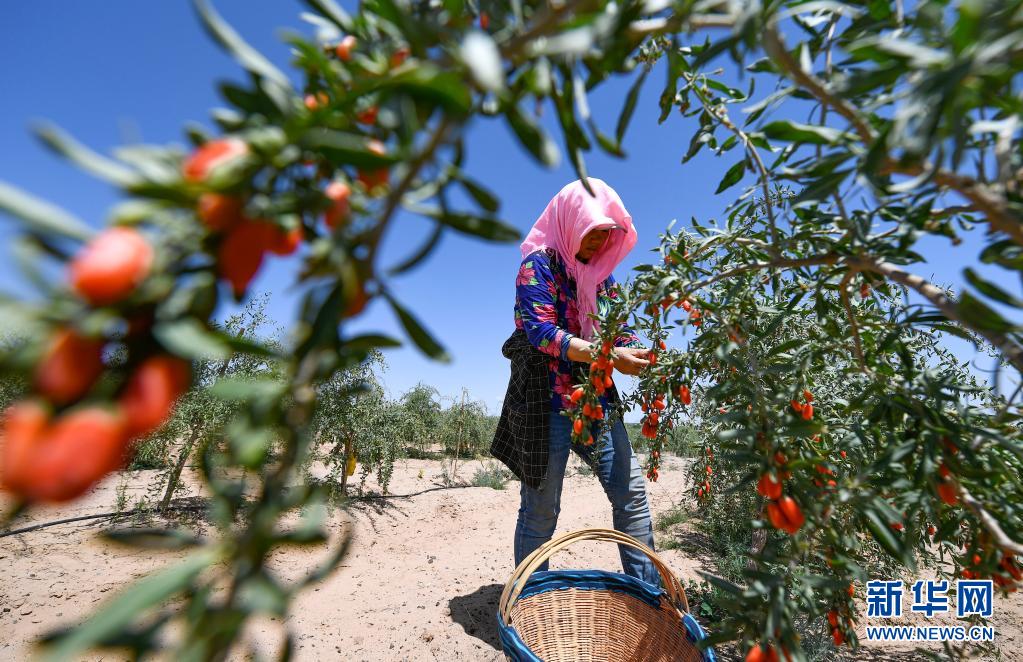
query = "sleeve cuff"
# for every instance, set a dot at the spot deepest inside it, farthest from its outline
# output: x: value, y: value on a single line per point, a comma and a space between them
x: 564, y: 346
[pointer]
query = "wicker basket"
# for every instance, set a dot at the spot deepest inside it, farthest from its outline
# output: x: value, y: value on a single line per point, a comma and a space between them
x: 589, y: 615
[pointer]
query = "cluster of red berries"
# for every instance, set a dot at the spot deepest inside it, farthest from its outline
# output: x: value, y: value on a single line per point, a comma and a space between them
x: 56, y: 444
x: 704, y: 489
x: 836, y: 624
x: 600, y: 377
x: 804, y: 409
x: 1008, y: 576
x: 782, y: 511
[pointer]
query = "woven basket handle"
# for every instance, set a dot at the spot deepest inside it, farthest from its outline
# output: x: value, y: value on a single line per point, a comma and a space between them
x: 517, y: 581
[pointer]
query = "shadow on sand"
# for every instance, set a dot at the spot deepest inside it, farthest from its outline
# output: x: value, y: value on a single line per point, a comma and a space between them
x: 477, y: 613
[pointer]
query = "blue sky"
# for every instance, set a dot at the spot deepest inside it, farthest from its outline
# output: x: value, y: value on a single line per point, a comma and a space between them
x: 111, y: 74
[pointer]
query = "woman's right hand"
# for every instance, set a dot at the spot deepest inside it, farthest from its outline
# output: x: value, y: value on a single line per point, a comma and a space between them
x: 630, y: 360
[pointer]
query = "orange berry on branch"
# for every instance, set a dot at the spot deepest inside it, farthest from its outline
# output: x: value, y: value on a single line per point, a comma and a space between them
x: 110, y: 267
x: 337, y: 212
x: 368, y: 116
x: 316, y: 101
x: 60, y: 461
x: 947, y: 492
x: 577, y: 395
x: 769, y: 487
x: 786, y: 515
x: 218, y: 211
x: 240, y: 253
x: 285, y: 242
x: 212, y: 154
x: 797, y: 405
x: 23, y: 423
x: 151, y: 392
x: 371, y: 179
x: 807, y: 395
x: 346, y: 47
x: 807, y: 413
x: 578, y: 426
x: 399, y: 56
x: 70, y: 366
x: 760, y: 653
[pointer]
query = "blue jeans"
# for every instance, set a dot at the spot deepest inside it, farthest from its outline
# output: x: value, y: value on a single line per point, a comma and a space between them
x: 622, y: 480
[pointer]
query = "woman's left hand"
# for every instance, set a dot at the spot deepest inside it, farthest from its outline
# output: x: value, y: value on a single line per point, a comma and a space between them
x: 630, y: 360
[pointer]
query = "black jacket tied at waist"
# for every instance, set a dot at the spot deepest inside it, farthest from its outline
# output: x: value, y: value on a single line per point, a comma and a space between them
x: 522, y: 439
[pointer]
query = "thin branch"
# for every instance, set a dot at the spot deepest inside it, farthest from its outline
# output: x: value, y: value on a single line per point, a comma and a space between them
x: 988, y: 521
x: 774, y: 45
x: 546, y: 21
x: 648, y: 26
x: 843, y: 290
x: 80, y: 518
x: 394, y: 199
x: 1010, y: 350
x: 828, y: 258
x: 994, y: 206
x: 722, y: 116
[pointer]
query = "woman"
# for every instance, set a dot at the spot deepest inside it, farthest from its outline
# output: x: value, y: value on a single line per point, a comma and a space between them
x: 564, y: 276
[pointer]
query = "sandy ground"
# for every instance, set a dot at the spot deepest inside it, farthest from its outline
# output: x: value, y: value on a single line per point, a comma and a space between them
x: 422, y: 581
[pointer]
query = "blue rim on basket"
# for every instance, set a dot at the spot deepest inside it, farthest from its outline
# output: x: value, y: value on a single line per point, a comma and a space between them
x: 552, y: 580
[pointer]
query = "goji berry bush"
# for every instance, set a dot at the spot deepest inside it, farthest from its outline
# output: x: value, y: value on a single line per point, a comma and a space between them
x: 911, y: 131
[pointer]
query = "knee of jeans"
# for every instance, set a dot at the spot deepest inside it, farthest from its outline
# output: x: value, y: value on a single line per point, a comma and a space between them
x: 541, y: 521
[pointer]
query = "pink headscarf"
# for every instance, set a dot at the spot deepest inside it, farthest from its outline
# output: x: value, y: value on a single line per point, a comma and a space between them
x: 571, y: 214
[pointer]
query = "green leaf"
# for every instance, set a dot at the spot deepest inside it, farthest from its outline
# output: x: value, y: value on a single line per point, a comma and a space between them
x: 821, y: 188
x: 480, y: 55
x: 420, y: 254
x: 129, y: 605
x: 884, y: 536
x: 249, y: 58
x: 247, y: 388
x: 63, y: 144
x: 188, y: 338
x: 41, y: 215
x: 532, y: 137
x: 610, y: 146
x: 419, y: 335
x: 249, y: 443
x: 979, y: 315
x: 261, y: 594
x: 370, y: 341
x: 333, y: 11
x: 431, y: 83
x: 490, y: 229
x: 342, y: 148
x: 630, y: 106
x: 732, y: 177
x: 804, y: 133
x: 483, y: 197
x: 153, y: 538
x: 1006, y: 253
x: 991, y: 290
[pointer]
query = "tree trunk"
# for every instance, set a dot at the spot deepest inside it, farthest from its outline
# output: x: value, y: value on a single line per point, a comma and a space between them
x: 757, y: 545
x: 175, y: 475
x: 344, y: 472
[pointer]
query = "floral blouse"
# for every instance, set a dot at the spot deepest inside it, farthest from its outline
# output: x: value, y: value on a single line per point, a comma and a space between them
x: 546, y: 309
